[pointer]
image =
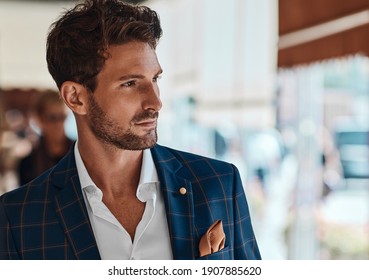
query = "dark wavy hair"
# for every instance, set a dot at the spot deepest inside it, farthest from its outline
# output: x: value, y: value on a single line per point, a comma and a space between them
x: 78, y: 40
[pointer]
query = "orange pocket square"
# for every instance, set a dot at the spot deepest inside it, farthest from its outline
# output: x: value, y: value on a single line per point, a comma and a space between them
x: 213, y: 240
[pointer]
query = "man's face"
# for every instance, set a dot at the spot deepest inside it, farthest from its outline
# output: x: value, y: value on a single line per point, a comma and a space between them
x: 123, y: 110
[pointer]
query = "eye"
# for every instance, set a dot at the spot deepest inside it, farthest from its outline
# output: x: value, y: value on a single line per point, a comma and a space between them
x: 128, y: 84
x: 156, y: 79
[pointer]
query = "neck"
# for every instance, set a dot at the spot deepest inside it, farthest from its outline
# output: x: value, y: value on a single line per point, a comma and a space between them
x: 114, y: 171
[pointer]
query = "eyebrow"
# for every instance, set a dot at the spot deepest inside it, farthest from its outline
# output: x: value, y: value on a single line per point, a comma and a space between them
x: 137, y: 76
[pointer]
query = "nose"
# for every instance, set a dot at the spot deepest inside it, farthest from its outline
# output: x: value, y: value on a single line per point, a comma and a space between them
x: 152, y: 98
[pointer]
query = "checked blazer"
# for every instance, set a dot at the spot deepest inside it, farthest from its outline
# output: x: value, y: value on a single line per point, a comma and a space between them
x: 47, y: 218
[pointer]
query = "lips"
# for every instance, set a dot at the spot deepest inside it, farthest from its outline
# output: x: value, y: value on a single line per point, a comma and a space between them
x: 147, y: 123
x: 146, y: 119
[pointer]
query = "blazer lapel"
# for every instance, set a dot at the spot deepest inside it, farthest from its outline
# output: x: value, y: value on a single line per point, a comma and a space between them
x: 71, y: 210
x: 178, y: 199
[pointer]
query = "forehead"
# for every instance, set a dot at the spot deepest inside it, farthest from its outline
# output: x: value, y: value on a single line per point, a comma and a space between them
x: 132, y: 56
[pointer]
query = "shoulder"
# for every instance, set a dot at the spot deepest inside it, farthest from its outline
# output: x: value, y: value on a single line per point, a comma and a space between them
x: 35, y: 190
x: 197, y: 163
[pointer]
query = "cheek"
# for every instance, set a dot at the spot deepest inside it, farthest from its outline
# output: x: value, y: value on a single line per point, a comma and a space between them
x: 122, y: 111
x: 122, y: 107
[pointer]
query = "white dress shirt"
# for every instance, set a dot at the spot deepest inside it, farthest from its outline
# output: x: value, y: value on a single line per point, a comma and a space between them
x: 151, y: 239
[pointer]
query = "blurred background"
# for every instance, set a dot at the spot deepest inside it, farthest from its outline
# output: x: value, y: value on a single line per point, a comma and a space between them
x: 279, y: 88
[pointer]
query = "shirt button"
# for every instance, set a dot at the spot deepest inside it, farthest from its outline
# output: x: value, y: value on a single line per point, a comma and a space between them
x: 182, y: 191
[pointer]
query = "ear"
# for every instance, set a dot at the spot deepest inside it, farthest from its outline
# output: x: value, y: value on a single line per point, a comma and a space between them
x: 75, y: 97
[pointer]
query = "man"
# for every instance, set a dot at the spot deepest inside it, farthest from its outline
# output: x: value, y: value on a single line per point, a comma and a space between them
x: 50, y: 114
x: 117, y: 194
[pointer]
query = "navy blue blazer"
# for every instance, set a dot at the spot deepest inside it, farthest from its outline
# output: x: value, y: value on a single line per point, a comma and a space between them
x: 47, y: 218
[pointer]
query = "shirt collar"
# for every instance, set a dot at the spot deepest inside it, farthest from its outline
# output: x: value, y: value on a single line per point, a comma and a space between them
x: 84, y: 177
x: 148, y: 170
x: 147, y: 186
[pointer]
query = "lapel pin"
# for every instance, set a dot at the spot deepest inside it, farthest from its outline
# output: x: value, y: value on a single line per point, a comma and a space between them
x: 182, y: 191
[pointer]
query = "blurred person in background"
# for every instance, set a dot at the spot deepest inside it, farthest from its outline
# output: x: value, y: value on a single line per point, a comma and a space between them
x: 50, y: 114
x: 15, y: 144
x: 118, y: 194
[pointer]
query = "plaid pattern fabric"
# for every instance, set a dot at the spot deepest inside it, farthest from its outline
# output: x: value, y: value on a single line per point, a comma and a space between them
x: 47, y: 218
x: 213, y: 191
